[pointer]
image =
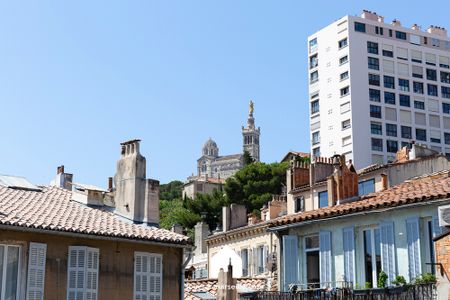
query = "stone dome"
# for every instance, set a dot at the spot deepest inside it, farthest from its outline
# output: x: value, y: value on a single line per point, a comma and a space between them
x: 210, y: 148
x: 210, y: 144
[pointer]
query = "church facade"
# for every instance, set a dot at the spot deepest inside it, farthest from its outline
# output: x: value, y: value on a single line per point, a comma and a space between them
x: 213, y: 169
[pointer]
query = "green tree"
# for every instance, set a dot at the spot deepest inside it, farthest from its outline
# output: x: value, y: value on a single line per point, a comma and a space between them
x: 171, y: 190
x: 207, y: 205
x: 173, y: 212
x: 248, y: 159
x: 255, y: 184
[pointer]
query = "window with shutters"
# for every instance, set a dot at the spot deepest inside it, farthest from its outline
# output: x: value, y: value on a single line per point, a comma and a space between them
x: 9, y: 268
x: 261, y: 255
x: 36, y: 271
x: 244, y: 258
x: 349, y: 254
x: 147, y: 276
x: 372, y: 255
x: 82, y: 273
x: 290, y: 260
x: 413, y: 241
x: 312, y: 258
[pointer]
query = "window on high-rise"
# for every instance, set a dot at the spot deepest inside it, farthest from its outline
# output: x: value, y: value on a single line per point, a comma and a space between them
x: 391, y: 146
x: 447, y: 138
x: 400, y: 35
x: 375, y: 111
x: 432, y: 90
x: 316, y: 138
x: 388, y: 53
x: 379, y: 30
x: 374, y: 95
x: 344, y: 75
x: 343, y: 43
x: 403, y: 84
x: 360, y: 27
x: 375, y: 128
x: 345, y: 91
x: 314, y: 106
x: 421, y: 134
x: 419, y: 104
x: 313, y: 61
x: 377, y: 144
x: 313, y: 45
x: 431, y: 74
x: 316, y: 152
x: 313, y: 77
x: 389, y: 98
x: 389, y: 82
x: 346, y: 124
x: 405, y: 100
x: 391, y: 129
x: 343, y: 59
x: 445, y: 92
x: 372, y: 47
x: 374, y: 79
x: 373, y: 63
x: 406, y: 132
x: 417, y: 87
x: 445, y: 77
x: 446, y: 108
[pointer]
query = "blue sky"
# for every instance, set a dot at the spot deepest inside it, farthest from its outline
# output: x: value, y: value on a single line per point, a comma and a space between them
x: 79, y: 77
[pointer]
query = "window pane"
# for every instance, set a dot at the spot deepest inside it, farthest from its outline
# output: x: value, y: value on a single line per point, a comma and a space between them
x: 323, y: 199
x: 368, y: 256
x: 312, y: 242
x: 377, y: 250
x: 11, y: 273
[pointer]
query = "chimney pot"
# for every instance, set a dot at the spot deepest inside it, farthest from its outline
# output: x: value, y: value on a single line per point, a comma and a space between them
x: 110, y: 183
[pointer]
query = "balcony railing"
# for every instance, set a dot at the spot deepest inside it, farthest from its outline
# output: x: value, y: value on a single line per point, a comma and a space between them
x: 416, y: 292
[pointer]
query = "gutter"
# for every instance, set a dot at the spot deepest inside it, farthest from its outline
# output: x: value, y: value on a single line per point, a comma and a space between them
x: 302, y: 223
x: 95, y: 237
x: 183, y: 267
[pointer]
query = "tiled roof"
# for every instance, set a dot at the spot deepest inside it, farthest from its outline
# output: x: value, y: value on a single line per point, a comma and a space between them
x: 53, y: 210
x: 210, y: 286
x: 420, y: 189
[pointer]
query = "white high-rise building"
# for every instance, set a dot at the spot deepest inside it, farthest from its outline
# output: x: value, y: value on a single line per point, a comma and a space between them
x: 376, y: 87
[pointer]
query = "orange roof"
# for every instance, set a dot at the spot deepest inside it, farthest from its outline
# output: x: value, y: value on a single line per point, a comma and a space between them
x: 53, y: 210
x: 430, y: 187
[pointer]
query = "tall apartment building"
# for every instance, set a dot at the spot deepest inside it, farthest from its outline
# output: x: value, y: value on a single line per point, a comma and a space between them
x: 376, y: 87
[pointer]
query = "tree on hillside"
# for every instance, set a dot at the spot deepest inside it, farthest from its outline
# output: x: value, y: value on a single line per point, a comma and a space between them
x: 173, y: 212
x: 255, y: 184
x: 171, y: 190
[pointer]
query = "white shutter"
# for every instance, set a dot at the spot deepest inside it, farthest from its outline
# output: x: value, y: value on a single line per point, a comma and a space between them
x: 36, y: 271
x: 349, y: 254
x: 265, y: 257
x: 92, y: 273
x: 325, y: 258
x: 388, y: 249
x: 290, y: 260
x: 412, y: 235
x: 82, y: 273
x: 147, y: 276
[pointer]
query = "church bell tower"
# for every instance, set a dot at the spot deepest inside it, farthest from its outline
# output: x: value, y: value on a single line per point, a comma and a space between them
x: 251, y: 134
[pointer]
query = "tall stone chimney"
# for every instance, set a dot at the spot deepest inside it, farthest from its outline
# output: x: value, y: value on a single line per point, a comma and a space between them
x: 136, y: 197
x: 201, y: 233
x: 62, y: 179
x: 343, y: 183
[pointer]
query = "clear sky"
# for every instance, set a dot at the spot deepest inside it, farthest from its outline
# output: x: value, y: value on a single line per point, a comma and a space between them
x: 79, y: 77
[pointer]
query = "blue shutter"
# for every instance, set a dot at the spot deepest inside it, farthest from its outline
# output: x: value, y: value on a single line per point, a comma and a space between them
x: 349, y: 254
x: 290, y: 260
x: 412, y: 235
x: 325, y: 258
x: 437, y: 230
x: 388, y: 249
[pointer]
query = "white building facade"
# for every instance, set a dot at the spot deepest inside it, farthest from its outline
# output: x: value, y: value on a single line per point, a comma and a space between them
x: 376, y: 87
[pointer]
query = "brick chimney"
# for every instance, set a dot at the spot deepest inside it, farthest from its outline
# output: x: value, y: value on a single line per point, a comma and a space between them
x: 402, y: 155
x: 299, y: 173
x: 343, y: 183
x: 136, y: 197
x: 234, y: 216
x: 62, y: 179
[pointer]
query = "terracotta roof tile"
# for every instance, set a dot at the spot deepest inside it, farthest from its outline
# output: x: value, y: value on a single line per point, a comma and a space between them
x: 429, y: 187
x: 52, y: 209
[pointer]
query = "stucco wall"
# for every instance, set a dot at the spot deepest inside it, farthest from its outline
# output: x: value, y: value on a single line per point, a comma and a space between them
x: 443, y: 257
x: 361, y: 222
x: 116, y: 268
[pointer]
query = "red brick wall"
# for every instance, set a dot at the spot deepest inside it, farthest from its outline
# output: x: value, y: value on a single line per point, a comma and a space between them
x: 442, y: 247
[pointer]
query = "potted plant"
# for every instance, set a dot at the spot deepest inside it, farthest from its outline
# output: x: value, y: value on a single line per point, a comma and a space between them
x: 381, y: 283
x: 399, y: 285
x: 358, y: 291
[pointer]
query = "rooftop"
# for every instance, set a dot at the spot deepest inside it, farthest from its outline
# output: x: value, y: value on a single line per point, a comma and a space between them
x: 51, y: 210
x: 434, y: 186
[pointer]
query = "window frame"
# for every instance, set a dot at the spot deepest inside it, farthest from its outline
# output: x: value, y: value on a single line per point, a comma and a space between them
x: 149, y: 256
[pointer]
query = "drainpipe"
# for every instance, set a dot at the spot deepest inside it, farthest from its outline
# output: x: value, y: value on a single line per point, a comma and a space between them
x: 183, y: 267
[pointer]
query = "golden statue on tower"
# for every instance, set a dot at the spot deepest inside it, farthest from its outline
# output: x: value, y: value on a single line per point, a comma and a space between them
x: 251, y: 108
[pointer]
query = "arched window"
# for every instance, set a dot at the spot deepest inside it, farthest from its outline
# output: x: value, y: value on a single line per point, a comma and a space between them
x: 204, y: 166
